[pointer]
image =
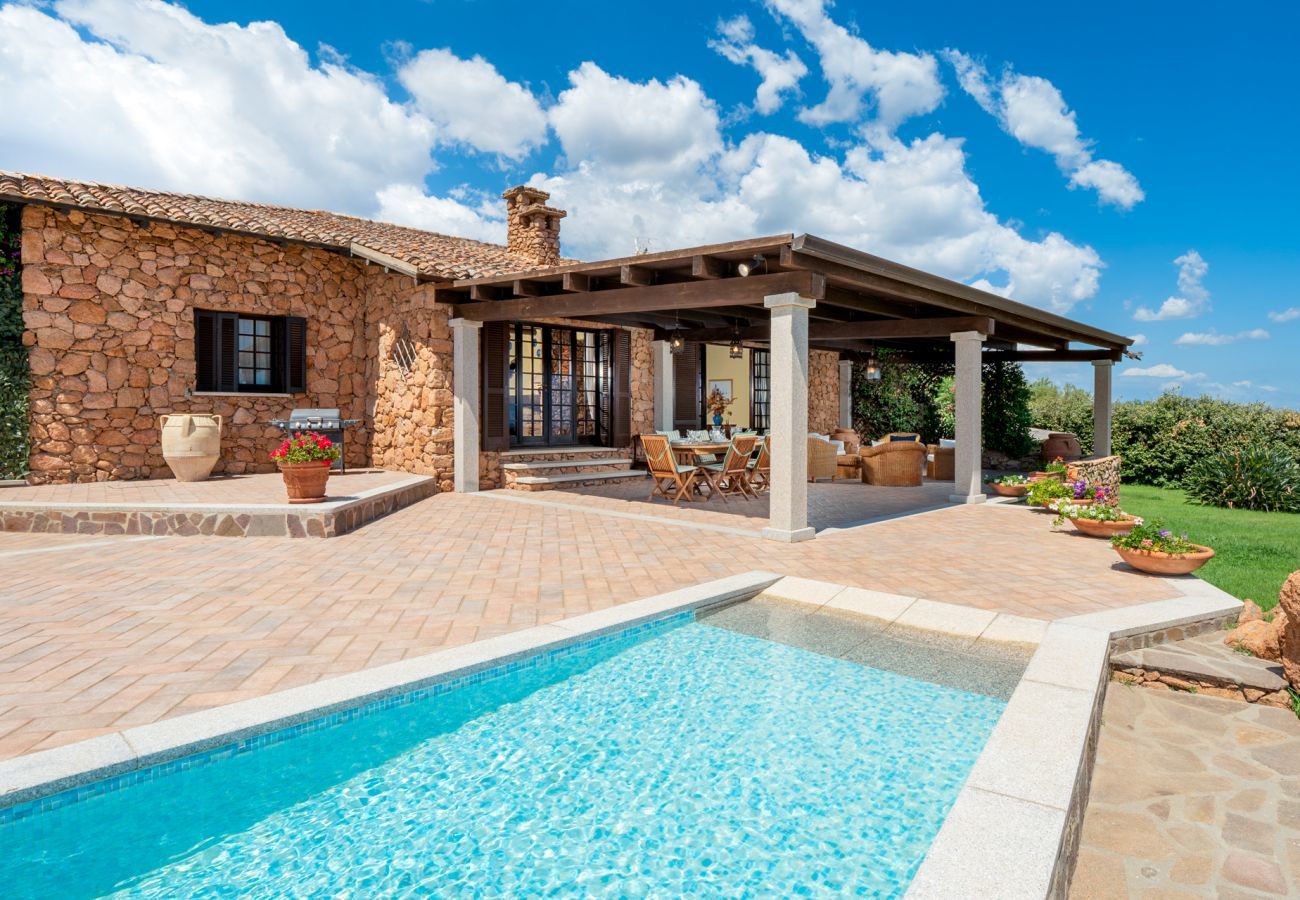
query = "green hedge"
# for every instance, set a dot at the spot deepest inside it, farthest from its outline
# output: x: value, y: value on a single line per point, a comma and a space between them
x: 14, y: 372
x: 919, y: 397
x: 1161, y: 440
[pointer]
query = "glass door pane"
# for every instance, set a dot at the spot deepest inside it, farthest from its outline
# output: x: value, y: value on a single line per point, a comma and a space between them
x: 563, y: 382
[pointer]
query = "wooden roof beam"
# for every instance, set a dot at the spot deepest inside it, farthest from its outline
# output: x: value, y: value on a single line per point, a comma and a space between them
x: 879, y: 329
x: 683, y: 296
x: 638, y: 276
x: 707, y: 267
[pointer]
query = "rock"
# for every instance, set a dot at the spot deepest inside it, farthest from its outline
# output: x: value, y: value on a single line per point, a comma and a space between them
x: 1286, y: 623
x: 1250, y: 612
x: 1258, y: 637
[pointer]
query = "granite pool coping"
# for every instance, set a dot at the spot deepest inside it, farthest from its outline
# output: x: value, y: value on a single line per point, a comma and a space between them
x: 36, y: 776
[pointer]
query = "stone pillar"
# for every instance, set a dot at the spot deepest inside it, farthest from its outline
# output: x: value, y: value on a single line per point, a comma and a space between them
x: 969, y: 401
x: 788, y: 510
x: 1102, y: 369
x: 846, y: 394
x: 662, y: 355
x: 465, y: 401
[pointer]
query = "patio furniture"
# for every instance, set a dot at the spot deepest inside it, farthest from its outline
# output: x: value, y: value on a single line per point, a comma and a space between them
x: 893, y: 464
x: 760, y: 467
x: 897, y: 436
x: 821, y: 459
x: 941, y: 463
x: 698, y: 453
x: 851, y: 439
x: 731, y: 476
x: 322, y: 421
x: 666, y: 471
x: 848, y: 465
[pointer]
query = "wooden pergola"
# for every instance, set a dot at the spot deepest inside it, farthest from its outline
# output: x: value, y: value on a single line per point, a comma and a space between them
x: 790, y: 293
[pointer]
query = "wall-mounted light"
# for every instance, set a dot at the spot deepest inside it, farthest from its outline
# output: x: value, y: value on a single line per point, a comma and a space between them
x: 749, y: 267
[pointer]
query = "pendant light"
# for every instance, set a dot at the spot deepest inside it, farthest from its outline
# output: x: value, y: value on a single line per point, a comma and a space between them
x: 676, y: 343
x: 736, y: 351
x: 873, y: 366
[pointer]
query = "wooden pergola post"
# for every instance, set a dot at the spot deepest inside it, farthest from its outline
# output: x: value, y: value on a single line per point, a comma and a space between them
x: 788, y: 509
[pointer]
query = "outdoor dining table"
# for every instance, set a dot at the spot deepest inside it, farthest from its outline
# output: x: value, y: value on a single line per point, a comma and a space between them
x: 687, y: 451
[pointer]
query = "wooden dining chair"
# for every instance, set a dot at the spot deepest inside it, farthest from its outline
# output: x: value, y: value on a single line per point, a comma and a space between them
x: 731, y: 476
x: 760, y: 467
x: 666, y: 471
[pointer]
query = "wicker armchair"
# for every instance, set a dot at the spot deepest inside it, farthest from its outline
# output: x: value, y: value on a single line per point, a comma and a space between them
x: 821, y: 459
x: 893, y: 464
x: 942, y: 465
x: 899, y: 436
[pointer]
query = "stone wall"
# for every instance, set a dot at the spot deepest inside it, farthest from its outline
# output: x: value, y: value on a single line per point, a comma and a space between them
x: 411, y: 411
x: 642, y: 382
x: 823, y: 390
x: 109, y: 310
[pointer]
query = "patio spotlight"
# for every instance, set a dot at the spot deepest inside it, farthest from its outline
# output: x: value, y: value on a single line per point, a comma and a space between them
x: 736, y: 351
x: 873, y: 367
x: 747, y: 268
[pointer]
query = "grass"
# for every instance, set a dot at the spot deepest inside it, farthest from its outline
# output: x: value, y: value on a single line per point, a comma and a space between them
x: 1254, y: 551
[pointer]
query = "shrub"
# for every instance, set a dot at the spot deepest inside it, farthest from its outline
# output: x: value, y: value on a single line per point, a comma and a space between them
x: 1062, y: 409
x: 15, y: 375
x: 1047, y: 491
x: 1251, y: 478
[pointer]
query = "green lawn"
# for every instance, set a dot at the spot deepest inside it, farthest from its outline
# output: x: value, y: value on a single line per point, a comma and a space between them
x: 1254, y: 551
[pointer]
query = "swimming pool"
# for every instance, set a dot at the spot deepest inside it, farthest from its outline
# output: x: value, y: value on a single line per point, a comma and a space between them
x: 677, y: 757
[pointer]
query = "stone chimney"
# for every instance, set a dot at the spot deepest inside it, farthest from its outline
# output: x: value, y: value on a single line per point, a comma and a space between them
x: 532, y: 227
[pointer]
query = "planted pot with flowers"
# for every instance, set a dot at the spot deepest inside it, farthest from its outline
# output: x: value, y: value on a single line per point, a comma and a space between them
x: 1085, y: 493
x: 1047, y: 492
x: 1098, y: 520
x: 1056, y: 469
x: 1150, y: 547
x: 1009, y: 485
x: 305, y: 460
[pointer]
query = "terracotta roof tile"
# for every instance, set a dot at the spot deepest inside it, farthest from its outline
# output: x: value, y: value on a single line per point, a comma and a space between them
x: 438, y: 256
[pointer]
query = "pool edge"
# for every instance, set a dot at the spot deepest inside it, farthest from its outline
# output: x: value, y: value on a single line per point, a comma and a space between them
x: 35, y: 776
x: 1013, y: 831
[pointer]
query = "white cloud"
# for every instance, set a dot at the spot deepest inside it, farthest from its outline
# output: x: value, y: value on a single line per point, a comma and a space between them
x: 1192, y: 299
x: 408, y: 204
x: 1032, y: 110
x: 1162, y: 370
x: 473, y: 104
x: 648, y: 129
x: 780, y: 74
x: 1139, y: 340
x: 143, y: 92
x: 898, y: 85
x: 1212, y: 338
x: 1286, y: 315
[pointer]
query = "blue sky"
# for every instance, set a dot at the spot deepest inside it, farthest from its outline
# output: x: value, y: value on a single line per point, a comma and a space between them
x: 1134, y: 169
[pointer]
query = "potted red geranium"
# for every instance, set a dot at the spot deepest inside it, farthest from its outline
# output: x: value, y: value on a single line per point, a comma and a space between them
x: 305, y: 460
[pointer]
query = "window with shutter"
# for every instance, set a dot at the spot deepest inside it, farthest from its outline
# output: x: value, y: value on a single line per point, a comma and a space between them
x: 621, y: 401
x: 251, y: 354
x: 688, y: 388
x: 495, y: 354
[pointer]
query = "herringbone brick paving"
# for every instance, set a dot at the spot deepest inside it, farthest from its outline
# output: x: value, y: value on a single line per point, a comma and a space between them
x: 103, y: 634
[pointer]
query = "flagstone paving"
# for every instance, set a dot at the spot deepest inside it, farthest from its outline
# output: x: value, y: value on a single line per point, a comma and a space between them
x: 101, y: 634
x: 1191, y: 796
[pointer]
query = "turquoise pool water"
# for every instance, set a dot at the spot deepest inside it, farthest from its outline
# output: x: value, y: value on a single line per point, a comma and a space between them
x: 685, y: 759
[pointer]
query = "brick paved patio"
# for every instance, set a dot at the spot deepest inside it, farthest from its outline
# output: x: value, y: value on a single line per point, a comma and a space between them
x: 100, y: 633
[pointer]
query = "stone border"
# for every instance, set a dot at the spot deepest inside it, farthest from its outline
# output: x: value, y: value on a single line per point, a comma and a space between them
x: 1014, y: 829
x: 38, y: 775
x: 328, y: 519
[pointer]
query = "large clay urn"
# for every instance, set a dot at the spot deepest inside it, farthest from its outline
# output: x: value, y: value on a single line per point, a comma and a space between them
x: 1062, y: 444
x: 191, y: 444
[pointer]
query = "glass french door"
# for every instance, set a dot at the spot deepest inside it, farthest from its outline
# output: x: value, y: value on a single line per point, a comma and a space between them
x: 559, y: 386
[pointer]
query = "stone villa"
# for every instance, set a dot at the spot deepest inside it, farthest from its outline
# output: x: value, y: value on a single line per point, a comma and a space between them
x: 139, y: 303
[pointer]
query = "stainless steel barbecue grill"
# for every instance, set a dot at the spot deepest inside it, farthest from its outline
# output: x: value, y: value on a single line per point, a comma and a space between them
x: 321, y: 421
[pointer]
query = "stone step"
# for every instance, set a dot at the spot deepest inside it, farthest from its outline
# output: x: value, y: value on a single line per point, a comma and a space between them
x: 572, y: 479
x: 542, y: 465
x: 1206, y: 660
x: 545, y: 454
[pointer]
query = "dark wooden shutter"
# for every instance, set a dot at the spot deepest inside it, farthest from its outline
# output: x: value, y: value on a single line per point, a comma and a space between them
x: 496, y: 366
x: 295, y: 354
x: 227, y: 341
x: 621, y: 399
x: 205, y: 350
x: 688, y: 412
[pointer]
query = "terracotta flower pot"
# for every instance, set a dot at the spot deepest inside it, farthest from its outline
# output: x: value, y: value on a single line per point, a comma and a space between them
x: 305, y: 481
x: 1157, y: 563
x: 1096, y: 528
x: 1009, y: 490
